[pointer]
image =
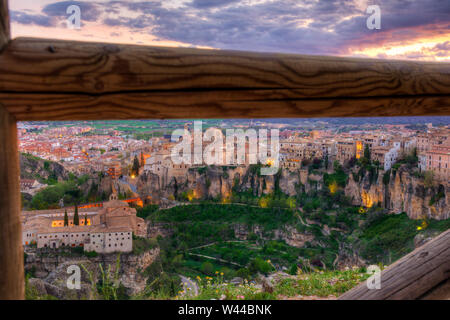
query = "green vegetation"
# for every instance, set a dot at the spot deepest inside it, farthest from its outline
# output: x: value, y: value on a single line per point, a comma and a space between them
x: 146, y: 211
x: 108, y: 286
x: 204, y: 217
x: 76, y: 218
x: 339, y: 176
x: 135, y: 167
x: 69, y: 191
x: 66, y: 219
x: 321, y: 284
x: 140, y: 245
x: 386, y: 238
x: 31, y: 293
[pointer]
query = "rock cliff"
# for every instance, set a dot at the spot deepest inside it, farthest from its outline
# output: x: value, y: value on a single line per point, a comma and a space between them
x: 401, y: 191
x: 40, y: 169
x: 51, y: 275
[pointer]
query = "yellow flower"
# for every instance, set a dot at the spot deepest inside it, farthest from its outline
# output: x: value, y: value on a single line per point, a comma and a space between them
x: 221, y: 273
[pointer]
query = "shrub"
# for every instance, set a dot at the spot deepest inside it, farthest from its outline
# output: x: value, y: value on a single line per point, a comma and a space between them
x: 146, y: 211
x: 260, y: 265
x: 207, y: 268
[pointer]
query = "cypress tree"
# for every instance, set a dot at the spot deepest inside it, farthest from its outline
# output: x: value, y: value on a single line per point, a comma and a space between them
x: 367, y: 152
x: 135, y: 168
x: 66, y: 219
x: 76, y: 219
x: 85, y: 220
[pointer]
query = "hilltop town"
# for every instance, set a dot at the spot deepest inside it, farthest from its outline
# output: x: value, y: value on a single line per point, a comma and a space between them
x: 128, y: 163
x: 83, y: 149
x: 342, y: 192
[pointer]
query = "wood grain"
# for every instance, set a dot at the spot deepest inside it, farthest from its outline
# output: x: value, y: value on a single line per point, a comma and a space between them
x: 39, y: 65
x: 66, y: 80
x: 5, y: 33
x: 11, y: 253
x: 412, y: 276
x: 195, y: 105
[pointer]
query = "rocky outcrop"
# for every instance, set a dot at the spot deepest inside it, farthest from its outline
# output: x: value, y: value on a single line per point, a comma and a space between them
x: 289, y: 234
x: 40, y: 169
x: 52, y: 272
x: 401, y: 191
x: 215, y: 182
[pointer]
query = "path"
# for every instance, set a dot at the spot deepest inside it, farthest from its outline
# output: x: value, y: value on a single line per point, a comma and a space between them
x: 217, y: 259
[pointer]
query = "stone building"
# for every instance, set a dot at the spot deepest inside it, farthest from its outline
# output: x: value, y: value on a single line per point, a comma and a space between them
x: 437, y: 160
x: 109, y: 229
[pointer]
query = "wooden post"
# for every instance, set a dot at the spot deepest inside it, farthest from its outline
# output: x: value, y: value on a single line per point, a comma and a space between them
x: 11, y: 253
x: 5, y: 34
x: 413, y: 276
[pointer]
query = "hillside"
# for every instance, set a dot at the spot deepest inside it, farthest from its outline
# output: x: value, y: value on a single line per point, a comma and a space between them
x: 44, y: 171
x: 244, y: 241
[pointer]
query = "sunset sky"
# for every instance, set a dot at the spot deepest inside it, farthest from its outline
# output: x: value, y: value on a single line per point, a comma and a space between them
x: 410, y: 29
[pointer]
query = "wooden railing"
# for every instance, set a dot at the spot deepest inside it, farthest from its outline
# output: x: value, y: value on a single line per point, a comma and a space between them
x: 66, y: 80
x: 412, y: 276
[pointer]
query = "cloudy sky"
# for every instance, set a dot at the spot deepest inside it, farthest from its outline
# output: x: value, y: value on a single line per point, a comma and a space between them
x: 410, y: 29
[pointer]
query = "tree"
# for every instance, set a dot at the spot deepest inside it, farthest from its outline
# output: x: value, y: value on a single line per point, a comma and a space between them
x: 207, y: 268
x: 135, y: 168
x: 66, y: 219
x: 367, y: 152
x: 76, y: 219
x: 85, y: 220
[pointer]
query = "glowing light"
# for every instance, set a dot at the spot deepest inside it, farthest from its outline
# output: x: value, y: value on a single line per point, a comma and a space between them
x: 423, y: 225
x: 291, y: 203
x: 422, y: 47
x: 263, y: 202
x: 191, y: 195
x: 368, y: 200
x: 333, y: 187
x: 270, y: 162
x: 359, y: 149
x: 226, y: 200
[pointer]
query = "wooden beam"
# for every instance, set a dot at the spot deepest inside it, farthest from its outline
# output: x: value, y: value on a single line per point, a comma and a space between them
x: 215, y: 104
x: 5, y: 32
x: 412, y: 276
x: 59, y: 80
x: 11, y: 253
